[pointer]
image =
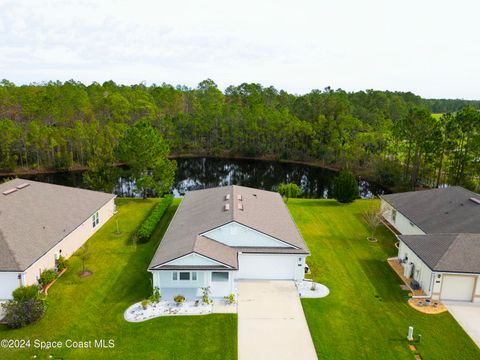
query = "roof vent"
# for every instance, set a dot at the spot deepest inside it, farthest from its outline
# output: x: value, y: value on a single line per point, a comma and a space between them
x: 227, y: 197
x: 475, y: 200
x: 240, y: 206
x: 21, y: 186
x: 9, y: 191
x: 239, y: 197
x: 226, y: 207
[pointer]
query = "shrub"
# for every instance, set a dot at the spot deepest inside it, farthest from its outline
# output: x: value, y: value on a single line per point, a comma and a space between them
x: 24, y: 293
x: 61, y: 263
x: 205, y: 295
x: 290, y: 190
x: 144, y: 304
x: 179, y: 299
x: 230, y: 299
x: 345, y: 187
x: 47, y: 276
x: 148, y: 226
x: 156, y: 296
x: 21, y: 313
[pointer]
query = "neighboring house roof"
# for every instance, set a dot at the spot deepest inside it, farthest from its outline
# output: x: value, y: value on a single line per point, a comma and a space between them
x: 437, y: 211
x: 35, y: 218
x: 204, y: 210
x: 446, y: 252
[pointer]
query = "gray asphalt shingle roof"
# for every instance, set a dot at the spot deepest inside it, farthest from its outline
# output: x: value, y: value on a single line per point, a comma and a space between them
x: 446, y: 252
x: 203, y: 210
x: 37, y: 217
x: 440, y: 211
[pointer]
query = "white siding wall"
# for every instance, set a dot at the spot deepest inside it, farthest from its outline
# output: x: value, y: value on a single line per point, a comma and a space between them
x: 422, y: 272
x: 235, y: 234
x: 476, y: 295
x: 69, y: 244
x: 401, y: 223
x: 8, y: 282
x: 164, y: 280
x: 437, y: 285
x: 194, y: 260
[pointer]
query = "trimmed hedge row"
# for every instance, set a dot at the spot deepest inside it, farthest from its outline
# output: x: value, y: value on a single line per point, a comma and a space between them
x: 148, y: 226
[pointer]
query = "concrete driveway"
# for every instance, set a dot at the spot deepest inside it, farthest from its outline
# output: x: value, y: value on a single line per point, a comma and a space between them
x: 271, y: 322
x: 468, y: 316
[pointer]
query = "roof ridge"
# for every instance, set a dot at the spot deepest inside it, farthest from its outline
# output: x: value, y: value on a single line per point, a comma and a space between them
x: 449, y: 248
x: 233, y: 207
x: 42, y: 183
x: 8, y: 249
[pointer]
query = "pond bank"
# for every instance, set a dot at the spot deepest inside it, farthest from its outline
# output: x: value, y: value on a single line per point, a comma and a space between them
x: 204, y: 172
x: 314, y: 163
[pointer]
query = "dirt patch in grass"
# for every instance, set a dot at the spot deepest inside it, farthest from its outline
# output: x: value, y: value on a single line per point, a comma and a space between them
x: 85, y: 273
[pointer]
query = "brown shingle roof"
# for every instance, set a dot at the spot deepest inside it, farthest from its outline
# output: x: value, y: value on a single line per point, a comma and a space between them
x: 37, y: 217
x: 446, y: 252
x: 203, y: 210
x: 439, y: 211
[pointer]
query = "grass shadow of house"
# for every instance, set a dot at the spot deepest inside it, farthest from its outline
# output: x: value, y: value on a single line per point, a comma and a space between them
x: 385, y: 283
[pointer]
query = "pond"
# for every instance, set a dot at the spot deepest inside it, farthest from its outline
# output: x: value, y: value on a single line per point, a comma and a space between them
x: 201, y: 172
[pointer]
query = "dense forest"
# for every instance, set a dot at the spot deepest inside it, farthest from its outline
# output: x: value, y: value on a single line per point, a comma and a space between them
x: 391, y: 136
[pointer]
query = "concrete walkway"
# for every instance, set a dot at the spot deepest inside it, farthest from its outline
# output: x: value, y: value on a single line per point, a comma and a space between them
x: 468, y: 316
x: 271, y: 322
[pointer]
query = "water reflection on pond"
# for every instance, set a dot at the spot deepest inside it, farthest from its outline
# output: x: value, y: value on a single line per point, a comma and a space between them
x: 200, y: 173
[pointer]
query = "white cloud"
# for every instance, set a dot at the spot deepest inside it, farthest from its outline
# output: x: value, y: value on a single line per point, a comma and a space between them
x: 428, y: 47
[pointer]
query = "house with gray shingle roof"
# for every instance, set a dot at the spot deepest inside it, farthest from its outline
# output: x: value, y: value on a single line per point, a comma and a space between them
x: 39, y: 222
x: 224, y: 234
x: 439, y: 240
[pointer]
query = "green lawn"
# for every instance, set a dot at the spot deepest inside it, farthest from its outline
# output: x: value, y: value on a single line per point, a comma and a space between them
x: 92, y: 308
x: 365, y: 316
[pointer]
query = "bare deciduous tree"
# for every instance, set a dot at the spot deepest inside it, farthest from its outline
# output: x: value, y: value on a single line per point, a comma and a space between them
x: 373, y: 216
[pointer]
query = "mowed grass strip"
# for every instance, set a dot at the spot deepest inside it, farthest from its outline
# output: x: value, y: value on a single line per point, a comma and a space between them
x: 365, y: 316
x: 92, y: 308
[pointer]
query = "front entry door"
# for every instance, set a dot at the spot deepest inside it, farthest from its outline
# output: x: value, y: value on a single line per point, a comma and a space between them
x: 220, y: 284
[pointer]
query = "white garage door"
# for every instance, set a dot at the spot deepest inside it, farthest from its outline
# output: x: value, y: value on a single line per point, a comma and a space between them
x: 272, y: 267
x: 458, y: 288
x: 8, y: 282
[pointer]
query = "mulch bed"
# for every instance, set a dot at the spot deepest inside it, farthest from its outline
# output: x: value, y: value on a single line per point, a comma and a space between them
x: 45, y: 290
x: 420, y: 305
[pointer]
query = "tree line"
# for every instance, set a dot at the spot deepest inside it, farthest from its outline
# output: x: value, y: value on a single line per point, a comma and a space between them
x: 390, y: 135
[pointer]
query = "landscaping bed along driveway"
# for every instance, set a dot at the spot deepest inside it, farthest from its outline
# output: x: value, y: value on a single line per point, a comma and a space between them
x: 271, y: 322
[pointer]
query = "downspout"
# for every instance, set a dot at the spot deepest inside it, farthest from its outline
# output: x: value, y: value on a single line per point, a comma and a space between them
x: 432, y: 280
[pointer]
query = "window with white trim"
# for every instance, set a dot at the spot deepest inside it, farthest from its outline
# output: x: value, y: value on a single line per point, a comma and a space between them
x: 394, y: 215
x: 184, y: 276
x: 219, y: 276
x: 95, y: 219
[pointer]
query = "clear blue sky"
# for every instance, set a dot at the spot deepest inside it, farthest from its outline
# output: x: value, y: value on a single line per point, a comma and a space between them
x: 428, y: 47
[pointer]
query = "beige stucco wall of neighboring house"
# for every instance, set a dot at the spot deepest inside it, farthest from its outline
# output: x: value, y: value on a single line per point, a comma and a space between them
x: 421, y: 272
x: 69, y: 244
x: 399, y: 221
